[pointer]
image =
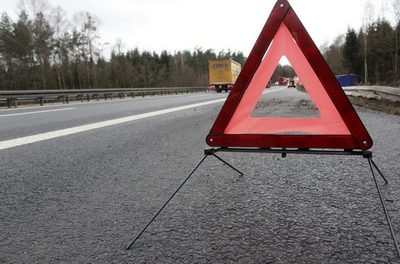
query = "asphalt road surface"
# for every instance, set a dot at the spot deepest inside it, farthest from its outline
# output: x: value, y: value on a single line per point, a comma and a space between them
x: 79, y: 181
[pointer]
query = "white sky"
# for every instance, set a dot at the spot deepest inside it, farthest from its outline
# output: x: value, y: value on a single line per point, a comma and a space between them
x: 173, y: 25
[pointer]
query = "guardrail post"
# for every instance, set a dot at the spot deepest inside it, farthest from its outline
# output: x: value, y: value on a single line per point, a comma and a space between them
x: 67, y: 99
x: 15, y: 103
x: 41, y: 101
x: 88, y: 97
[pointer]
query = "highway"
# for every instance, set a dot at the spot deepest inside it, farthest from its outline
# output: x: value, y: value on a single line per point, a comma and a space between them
x: 79, y: 181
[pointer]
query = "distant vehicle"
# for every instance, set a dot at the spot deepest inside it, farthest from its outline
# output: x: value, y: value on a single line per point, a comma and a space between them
x: 282, y: 81
x: 347, y: 80
x: 291, y: 84
x: 222, y: 74
x: 296, y: 81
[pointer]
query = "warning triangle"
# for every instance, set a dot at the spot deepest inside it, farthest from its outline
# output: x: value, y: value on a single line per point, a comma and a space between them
x: 338, y: 126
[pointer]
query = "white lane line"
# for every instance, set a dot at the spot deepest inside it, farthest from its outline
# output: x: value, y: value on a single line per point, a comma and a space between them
x: 74, y: 130
x: 37, y: 112
x: 274, y: 90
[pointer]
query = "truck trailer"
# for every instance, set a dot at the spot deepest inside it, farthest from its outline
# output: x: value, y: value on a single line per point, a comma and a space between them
x: 222, y: 74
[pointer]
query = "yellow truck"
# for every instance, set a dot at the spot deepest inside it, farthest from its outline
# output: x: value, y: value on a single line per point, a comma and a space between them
x: 222, y: 74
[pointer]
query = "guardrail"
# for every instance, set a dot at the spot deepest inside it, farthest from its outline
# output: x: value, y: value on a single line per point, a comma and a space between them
x: 13, y: 98
x: 376, y: 92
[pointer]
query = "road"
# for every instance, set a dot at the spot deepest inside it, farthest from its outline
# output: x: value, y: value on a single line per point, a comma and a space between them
x: 83, y: 194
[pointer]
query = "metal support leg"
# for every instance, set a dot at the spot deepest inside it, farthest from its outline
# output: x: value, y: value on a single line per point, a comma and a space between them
x: 223, y: 161
x: 166, y: 203
x: 378, y: 170
x: 389, y: 221
x: 211, y: 152
x: 173, y: 195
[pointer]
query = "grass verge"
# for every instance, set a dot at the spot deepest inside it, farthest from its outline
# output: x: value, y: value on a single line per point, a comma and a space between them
x: 375, y: 104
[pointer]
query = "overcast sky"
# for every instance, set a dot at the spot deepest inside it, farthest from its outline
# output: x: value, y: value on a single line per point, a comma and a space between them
x: 174, y: 25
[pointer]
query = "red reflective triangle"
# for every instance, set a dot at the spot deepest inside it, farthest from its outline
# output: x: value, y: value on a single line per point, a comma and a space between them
x: 338, y: 127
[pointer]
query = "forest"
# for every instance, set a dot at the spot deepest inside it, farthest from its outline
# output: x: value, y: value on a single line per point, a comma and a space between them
x: 39, y: 51
x: 372, y: 53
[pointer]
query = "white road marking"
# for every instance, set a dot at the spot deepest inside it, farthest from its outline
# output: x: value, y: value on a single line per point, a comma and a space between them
x: 37, y: 112
x: 74, y: 130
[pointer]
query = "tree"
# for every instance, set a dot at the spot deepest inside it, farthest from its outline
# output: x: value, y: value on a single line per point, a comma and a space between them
x: 396, y: 10
x: 7, y: 43
x: 33, y: 7
x: 380, y: 52
x: 59, y: 25
x: 40, y: 50
x: 88, y: 37
x: 42, y: 35
x: 368, y: 17
x: 23, y: 52
x: 333, y: 55
x: 351, y: 53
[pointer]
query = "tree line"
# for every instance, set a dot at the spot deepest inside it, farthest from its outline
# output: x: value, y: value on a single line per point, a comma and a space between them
x: 371, y: 52
x: 45, y: 52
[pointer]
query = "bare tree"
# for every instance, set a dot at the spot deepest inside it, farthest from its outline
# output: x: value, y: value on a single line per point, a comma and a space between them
x: 33, y: 7
x: 88, y: 24
x: 42, y: 40
x: 333, y: 54
x: 60, y: 26
x: 368, y: 18
x: 396, y: 10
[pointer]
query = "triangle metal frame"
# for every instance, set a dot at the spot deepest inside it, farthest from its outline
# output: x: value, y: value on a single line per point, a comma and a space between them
x: 358, y: 138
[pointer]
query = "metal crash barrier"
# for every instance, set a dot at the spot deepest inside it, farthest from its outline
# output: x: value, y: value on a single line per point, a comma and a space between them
x: 14, y: 98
